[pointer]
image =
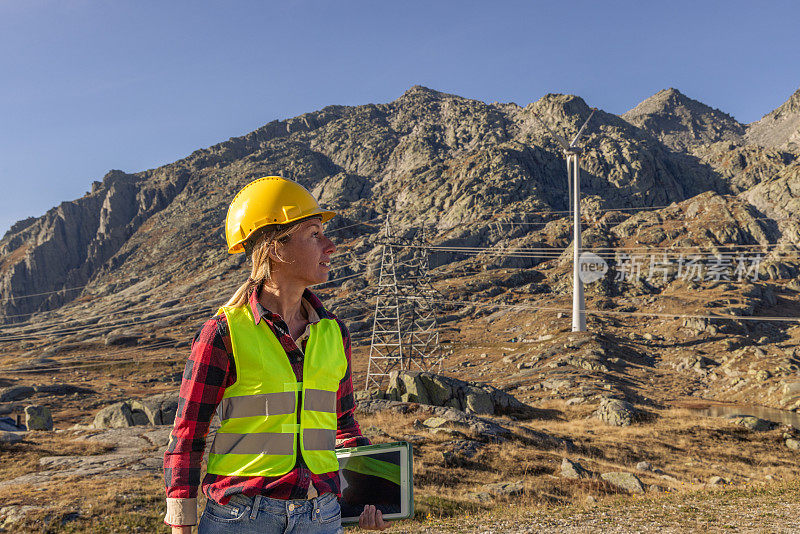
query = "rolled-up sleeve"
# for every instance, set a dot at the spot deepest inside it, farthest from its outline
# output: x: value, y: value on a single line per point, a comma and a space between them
x: 208, y: 372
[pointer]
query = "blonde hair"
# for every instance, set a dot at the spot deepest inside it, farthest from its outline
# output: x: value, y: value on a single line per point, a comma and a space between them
x: 258, y: 248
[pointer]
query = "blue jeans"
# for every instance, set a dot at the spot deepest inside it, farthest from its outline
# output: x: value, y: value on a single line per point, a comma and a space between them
x: 262, y: 515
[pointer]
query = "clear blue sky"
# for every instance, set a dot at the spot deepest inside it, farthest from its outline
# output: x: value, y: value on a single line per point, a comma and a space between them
x: 87, y: 86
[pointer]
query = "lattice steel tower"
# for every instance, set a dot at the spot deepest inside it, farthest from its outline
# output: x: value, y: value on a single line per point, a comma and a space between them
x: 404, y: 330
x: 386, y: 347
x: 422, y: 328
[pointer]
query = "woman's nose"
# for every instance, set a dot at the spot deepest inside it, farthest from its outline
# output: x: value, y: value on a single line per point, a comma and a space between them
x: 330, y: 248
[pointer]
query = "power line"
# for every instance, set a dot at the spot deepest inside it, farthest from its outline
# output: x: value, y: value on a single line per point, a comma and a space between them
x: 632, y: 314
x: 353, y: 263
x: 133, y: 322
x: 354, y: 224
x: 12, y: 297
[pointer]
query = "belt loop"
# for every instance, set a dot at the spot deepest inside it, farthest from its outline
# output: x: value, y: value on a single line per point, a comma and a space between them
x: 256, y: 506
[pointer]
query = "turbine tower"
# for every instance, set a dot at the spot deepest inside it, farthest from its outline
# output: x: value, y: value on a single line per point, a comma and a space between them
x: 573, y: 155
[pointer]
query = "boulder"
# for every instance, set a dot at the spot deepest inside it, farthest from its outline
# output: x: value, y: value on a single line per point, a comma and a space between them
x: 792, y: 444
x: 626, y: 481
x: 414, y: 389
x: 750, y: 422
x: 169, y: 407
x: 439, y: 391
x: 616, y: 412
x: 117, y: 415
x: 139, y: 418
x: 570, y: 469
x: 478, y: 401
x: 38, y: 418
x: 146, y: 410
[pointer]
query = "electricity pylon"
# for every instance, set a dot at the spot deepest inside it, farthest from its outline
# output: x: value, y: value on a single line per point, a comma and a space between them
x: 386, y: 347
x: 405, y: 331
x: 573, y: 155
x: 422, y: 326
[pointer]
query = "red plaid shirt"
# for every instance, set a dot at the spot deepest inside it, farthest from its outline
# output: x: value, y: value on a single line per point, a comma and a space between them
x: 209, y: 370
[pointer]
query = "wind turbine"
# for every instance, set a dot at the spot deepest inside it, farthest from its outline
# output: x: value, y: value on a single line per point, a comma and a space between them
x: 573, y: 154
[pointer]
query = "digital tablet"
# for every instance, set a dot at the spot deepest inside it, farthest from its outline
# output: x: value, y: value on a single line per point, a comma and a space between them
x: 380, y: 475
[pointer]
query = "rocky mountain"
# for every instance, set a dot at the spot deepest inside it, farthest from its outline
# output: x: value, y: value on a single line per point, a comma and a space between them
x: 681, y: 122
x: 478, y: 174
x: 697, y: 220
x: 779, y: 128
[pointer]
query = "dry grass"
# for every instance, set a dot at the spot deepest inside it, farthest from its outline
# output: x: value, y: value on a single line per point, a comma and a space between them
x: 133, y: 504
x: 686, y: 448
x: 22, y: 458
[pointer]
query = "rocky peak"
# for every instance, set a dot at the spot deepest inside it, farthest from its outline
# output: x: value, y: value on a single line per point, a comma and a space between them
x: 681, y: 122
x: 420, y: 90
x: 780, y: 128
x: 559, y: 106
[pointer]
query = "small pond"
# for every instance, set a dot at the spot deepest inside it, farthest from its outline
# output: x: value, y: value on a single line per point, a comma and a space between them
x: 770, y: 414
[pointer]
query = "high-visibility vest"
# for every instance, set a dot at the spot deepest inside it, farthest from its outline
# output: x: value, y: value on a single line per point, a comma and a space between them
x: 260, y: 411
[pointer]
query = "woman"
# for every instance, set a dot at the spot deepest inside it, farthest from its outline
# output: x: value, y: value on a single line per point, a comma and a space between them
x: 275, y: 365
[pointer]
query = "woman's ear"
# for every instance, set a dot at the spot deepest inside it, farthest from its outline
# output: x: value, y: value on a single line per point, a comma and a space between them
x: 273, y: 253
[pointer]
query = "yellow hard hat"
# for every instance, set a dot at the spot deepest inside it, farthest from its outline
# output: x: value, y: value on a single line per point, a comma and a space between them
x: 268, y: 200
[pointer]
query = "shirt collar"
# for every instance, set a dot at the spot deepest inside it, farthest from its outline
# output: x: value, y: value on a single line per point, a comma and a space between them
x: 311, y: 303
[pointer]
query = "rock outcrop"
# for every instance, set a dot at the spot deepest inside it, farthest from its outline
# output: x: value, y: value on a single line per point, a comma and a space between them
x: 156, y: 410
x: 471, y: 397
x: 70, y: 244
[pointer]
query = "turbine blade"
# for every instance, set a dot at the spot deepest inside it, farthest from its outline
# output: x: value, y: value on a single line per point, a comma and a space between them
x: 561, y: 140
x: 582, y: 128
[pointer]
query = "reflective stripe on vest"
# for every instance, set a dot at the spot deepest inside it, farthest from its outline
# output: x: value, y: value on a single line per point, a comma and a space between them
x: 259, y: 412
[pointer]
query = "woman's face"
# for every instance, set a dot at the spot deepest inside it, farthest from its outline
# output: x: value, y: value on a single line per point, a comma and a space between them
x: 306, y: 257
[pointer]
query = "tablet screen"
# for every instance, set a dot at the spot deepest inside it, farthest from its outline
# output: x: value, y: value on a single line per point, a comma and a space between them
x: 376, y: 475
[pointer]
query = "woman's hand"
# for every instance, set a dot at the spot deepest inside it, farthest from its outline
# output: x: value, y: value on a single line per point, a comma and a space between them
x: 372, y: 519
x: 181, y: 530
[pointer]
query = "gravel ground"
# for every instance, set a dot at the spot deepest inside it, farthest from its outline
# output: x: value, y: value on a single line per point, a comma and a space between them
x: 718, y: 511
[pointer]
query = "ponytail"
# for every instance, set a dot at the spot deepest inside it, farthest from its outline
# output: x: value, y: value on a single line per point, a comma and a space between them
x: 257, y: 249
